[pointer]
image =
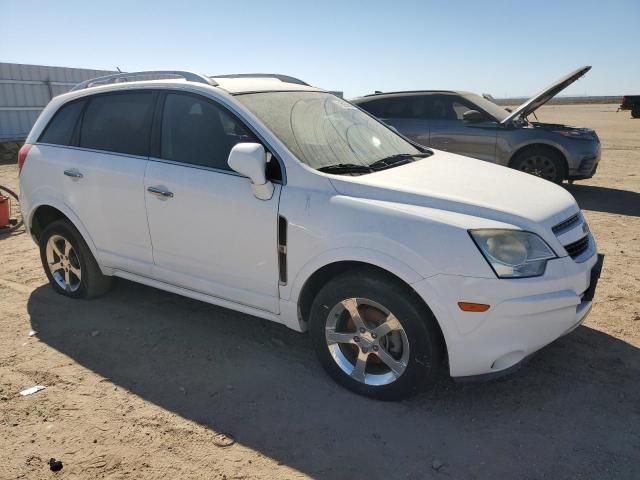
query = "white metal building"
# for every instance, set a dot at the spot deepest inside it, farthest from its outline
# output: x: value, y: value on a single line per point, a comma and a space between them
x: 26, y: 89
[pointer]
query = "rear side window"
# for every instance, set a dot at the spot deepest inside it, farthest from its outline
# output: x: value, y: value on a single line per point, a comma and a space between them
x: 62, y: 125
x: 118, y: 123
x: 196, y: 131
x: 376, y: 108
x: 412, y: 106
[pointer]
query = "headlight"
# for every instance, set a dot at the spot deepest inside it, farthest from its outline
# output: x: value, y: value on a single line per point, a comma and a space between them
x: 576, y: 134
x: 513, y: 253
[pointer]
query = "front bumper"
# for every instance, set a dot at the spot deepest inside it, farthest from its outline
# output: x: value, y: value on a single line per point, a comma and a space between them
x: 525, y: 314
x: 585, y: 164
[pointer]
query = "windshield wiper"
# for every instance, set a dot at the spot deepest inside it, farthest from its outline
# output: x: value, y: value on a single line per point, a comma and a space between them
x: 345, y: 168
x: 398, y: 159
x: 382, y: 164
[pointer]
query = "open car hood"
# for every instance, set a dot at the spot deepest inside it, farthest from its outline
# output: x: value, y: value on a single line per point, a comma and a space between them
x: 545, y: 95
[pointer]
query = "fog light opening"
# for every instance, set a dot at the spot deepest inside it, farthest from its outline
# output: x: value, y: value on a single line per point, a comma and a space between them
x: 508, y: 360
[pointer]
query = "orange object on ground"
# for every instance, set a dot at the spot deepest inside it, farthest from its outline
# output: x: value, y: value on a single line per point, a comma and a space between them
x: 5, y: 211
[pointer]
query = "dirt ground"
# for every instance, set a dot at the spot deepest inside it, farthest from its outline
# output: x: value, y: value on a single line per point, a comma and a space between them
x: 141, y: 383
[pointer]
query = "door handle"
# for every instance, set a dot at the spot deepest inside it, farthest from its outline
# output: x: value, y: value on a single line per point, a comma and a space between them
x: 73, y: 173
x: 160, y: 192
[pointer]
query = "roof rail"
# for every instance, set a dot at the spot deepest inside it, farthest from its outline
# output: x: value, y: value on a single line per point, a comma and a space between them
x: 282, y: 78
x: 130, y: 77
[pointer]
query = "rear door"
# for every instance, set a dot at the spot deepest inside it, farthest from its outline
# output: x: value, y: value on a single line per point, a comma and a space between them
x: 451, y: 133
x: 103, y: 174
x: 210, y: 234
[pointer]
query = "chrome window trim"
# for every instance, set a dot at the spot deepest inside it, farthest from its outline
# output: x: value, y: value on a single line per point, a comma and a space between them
x: 94, y: 150
x: 202, y: 167
x: 153, y: 159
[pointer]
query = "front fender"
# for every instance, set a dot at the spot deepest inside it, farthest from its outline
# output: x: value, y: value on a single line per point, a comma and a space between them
x: 514, y: 149
x: 352, y: 254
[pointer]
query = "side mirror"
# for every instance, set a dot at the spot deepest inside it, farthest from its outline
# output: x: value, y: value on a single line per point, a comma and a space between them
x: 391, y: 127
x: 250, y: 160
x: 472, y: 116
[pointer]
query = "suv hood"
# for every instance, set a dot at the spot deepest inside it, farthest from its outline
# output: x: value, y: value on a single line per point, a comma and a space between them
x: 545, y: 95
x: 449, y: 182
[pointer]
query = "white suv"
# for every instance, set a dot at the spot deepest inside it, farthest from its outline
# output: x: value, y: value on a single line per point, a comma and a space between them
x: 268, y: 196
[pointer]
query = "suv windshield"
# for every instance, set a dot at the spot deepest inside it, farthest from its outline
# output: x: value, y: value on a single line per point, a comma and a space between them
x: 325, y: 132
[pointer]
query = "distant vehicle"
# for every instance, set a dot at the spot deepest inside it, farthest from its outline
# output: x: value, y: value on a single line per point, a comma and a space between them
x: 281, y: 200
x: 475, y: 126
x: 631, y: 102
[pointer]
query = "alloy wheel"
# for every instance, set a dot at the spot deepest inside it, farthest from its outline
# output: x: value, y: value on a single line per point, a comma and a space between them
x: 367, y: 341
x: 540, y: 166
x: 63, y: 263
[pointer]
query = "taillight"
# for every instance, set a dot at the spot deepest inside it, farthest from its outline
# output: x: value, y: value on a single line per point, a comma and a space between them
x: 22, y: 155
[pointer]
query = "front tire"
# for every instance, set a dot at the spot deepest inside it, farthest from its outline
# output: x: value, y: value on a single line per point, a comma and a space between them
x: 541, y: 162
x: 635, y: 111
x: 69, y: 264
x: 374, y: 336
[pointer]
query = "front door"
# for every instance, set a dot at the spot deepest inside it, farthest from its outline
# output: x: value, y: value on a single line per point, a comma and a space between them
x: 451, y: 133
x: 209, y: 232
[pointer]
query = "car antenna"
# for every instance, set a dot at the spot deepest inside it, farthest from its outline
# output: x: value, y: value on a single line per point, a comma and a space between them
x: 119, y: 71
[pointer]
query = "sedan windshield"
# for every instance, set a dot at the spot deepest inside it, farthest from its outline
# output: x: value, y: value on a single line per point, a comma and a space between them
x: 327, y: 133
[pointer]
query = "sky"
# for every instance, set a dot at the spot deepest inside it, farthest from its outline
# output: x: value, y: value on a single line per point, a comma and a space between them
x: 505, y: 48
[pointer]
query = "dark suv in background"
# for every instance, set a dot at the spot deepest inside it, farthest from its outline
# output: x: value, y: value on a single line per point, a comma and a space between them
x: 468, y: 124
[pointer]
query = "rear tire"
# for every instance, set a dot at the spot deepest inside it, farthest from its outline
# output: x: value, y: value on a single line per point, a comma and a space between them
x: 388, y: 363
x: 542, y: 162
x: 69, y: 264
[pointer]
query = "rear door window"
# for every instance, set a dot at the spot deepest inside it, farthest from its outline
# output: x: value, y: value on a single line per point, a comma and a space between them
x: 411, y: 106
x: 119, y: 122
x: 377, y: 108
x: 62, y: 125
x: 199, y: 132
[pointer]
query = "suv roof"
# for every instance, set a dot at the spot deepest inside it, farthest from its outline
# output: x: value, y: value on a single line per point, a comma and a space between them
x: 232, y: 83
x: 410, y: 93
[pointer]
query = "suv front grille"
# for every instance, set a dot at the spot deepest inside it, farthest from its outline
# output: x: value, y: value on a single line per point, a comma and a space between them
x: 576, y: 248
x: 566, y: 225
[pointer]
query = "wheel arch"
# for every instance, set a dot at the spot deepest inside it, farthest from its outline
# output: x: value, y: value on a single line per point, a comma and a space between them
x: 540, y: 145
x: 324, y: 274
x: 43, y: 214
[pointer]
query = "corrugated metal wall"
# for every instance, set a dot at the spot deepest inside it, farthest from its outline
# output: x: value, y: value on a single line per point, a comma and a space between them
x: 26, y: 89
